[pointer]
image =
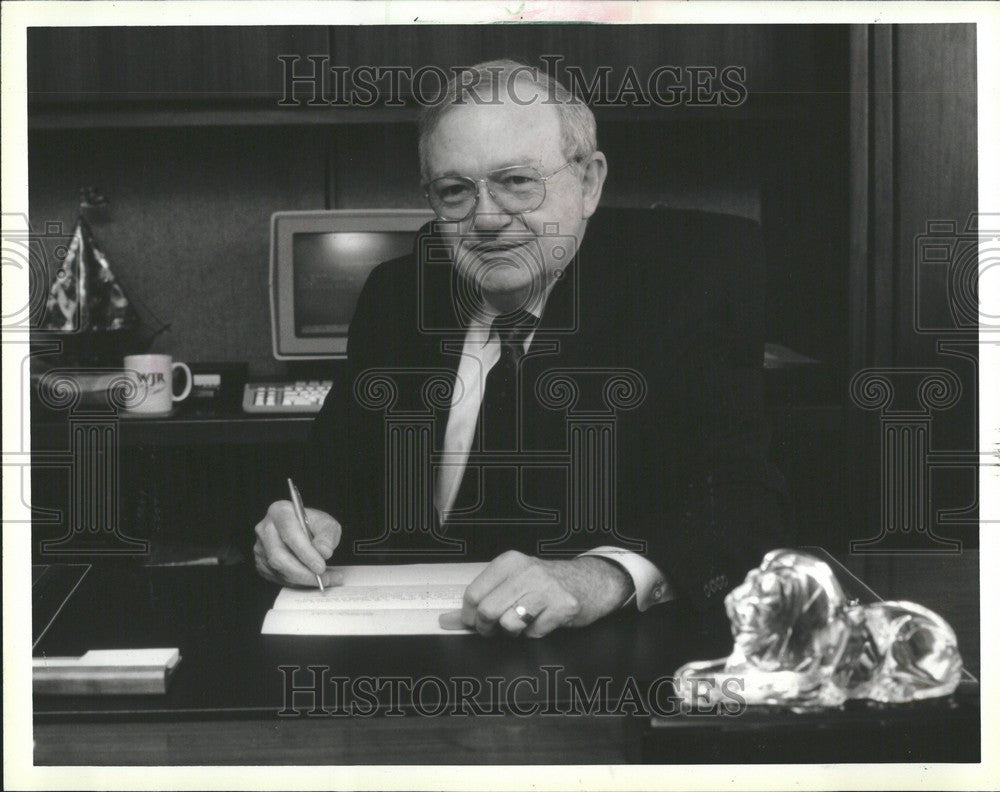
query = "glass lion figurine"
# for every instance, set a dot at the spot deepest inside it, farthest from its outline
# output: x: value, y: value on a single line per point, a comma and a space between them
x: 799, y: 642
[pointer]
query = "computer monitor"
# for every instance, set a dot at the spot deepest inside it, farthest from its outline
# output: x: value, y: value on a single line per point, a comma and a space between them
x: 320, y: 260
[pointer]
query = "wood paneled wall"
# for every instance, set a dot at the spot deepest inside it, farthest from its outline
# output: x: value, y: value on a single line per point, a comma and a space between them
x: 241, y: 62
x: 914, y: 174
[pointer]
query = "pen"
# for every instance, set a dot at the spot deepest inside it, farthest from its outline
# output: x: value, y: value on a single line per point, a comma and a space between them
x: 300, y: 514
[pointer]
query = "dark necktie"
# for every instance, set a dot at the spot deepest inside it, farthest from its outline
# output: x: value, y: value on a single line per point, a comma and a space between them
x: 497, y: 427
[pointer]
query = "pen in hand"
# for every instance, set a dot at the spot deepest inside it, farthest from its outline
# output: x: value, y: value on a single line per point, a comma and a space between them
x: 300, y: 514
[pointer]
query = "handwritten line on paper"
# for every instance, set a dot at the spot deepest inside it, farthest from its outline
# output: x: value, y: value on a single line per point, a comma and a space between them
x: 401, y: 599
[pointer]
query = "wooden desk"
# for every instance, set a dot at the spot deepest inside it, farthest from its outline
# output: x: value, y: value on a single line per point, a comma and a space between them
x: 226, y: 701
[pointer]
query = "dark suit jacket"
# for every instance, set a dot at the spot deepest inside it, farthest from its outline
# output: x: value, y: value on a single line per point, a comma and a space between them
x: 641, y: 397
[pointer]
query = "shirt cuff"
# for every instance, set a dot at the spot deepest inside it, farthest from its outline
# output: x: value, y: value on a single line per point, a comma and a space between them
x: 651, y: 585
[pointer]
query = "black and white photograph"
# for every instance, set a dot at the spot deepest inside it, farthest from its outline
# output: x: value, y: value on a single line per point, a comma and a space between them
x: 553, y: 395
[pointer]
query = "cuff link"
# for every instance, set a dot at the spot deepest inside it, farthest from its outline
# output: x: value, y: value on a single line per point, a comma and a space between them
x: 715, y: 585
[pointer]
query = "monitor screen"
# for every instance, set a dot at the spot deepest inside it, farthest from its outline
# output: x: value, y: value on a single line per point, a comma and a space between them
x: 319, y: 264
x: 329, y: 272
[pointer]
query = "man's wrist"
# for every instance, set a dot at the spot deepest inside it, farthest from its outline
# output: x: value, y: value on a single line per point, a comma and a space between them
x: 616, y: 585
x: 649, y: 585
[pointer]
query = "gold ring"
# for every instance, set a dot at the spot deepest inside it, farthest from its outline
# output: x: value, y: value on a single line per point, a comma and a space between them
x: 524, y: 615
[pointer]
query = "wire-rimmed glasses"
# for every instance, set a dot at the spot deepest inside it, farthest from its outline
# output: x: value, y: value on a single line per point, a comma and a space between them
x: 517, y: 189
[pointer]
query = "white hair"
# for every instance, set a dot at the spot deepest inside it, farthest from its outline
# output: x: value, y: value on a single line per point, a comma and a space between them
x: 491, y: 79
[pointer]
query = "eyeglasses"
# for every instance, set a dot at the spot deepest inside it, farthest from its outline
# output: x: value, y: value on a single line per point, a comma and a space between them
x: 517, y: 189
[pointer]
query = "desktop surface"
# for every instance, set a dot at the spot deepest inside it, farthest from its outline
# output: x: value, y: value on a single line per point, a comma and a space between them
x: 214, y: 616
x: 229, y: 702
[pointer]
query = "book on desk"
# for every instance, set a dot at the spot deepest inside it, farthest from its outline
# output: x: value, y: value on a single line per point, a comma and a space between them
x: 105, y: 672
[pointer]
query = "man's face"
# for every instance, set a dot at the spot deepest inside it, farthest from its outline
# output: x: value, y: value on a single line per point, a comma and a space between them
x: 512, y: 257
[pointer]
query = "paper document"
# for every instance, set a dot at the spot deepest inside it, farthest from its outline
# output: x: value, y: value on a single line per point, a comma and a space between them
x: 403, y: 599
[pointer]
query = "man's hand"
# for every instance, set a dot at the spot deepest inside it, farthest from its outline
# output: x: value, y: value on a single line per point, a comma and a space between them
x: 570, y: 593
x: 284, y: 555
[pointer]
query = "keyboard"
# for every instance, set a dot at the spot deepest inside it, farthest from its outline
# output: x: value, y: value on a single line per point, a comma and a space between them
x: 276, y: 398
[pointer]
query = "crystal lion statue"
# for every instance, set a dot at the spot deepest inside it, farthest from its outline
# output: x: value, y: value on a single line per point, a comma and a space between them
x: 798, y: 642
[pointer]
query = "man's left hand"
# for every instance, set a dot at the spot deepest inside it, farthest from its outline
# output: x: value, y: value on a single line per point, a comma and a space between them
x: 570, y: 593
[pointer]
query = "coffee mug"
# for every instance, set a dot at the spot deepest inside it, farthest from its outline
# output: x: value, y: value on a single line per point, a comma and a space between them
x: 151, y: 389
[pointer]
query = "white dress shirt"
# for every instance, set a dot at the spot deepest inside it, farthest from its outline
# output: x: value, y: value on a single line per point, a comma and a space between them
x: 480, y: 353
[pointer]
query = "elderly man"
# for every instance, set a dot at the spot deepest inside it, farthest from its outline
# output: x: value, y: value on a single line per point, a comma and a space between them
x: 624, y: 342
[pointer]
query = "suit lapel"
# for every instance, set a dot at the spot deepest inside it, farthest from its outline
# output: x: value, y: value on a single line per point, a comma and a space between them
x: 441, y: 329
